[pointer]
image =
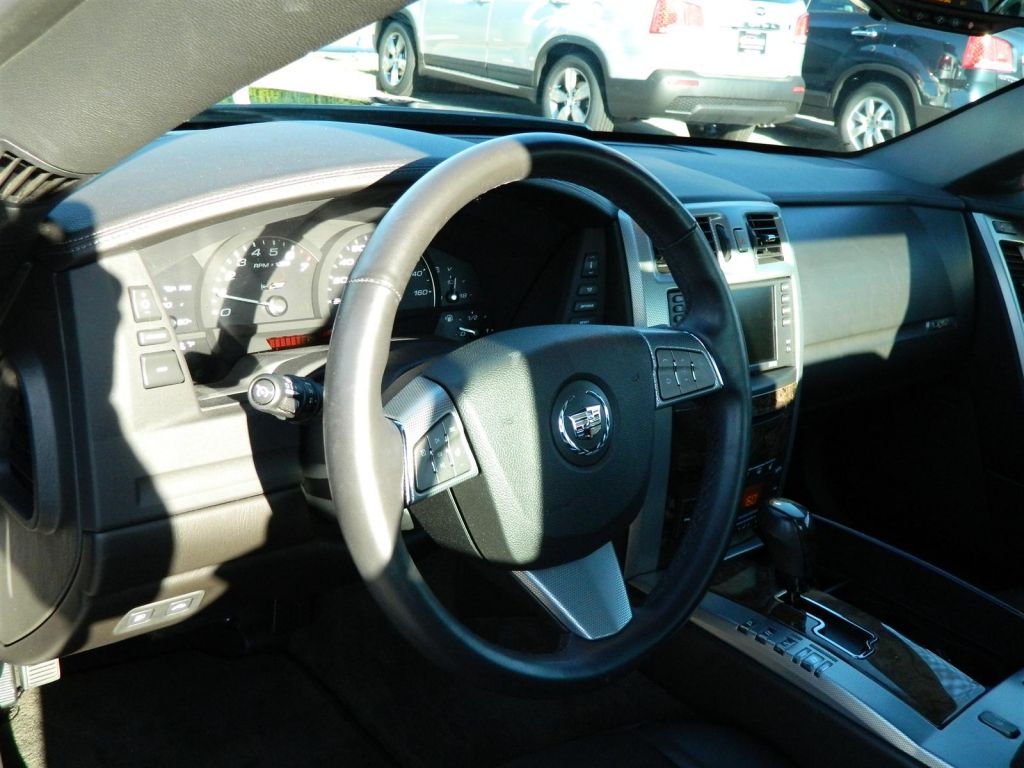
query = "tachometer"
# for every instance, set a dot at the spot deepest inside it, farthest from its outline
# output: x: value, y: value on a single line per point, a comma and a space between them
x: 257, y: 281
x: 420, y: 293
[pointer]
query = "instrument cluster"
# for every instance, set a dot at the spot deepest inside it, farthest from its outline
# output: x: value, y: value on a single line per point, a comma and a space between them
x: 262, y: 290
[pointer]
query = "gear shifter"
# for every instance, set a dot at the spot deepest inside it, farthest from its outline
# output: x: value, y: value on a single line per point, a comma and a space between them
x: 785, y: 529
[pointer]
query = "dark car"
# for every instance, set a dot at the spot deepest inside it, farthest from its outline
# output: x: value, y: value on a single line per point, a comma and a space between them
x: 879, y: 79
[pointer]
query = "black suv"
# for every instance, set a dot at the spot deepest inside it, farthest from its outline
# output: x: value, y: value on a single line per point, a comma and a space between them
x: 878, y: 79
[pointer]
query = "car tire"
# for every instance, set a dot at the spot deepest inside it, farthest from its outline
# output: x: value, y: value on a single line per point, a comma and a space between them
x: 723, y: 131
x: 573, y: 91
x: 396, y: 61
x: 872, y: 114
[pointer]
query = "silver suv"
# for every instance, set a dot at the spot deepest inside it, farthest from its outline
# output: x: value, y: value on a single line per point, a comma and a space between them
x: 723, y: 66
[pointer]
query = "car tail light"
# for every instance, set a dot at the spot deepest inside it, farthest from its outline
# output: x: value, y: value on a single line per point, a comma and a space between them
x: 989, y: 53
x: 669, y: 13
x: 803, y: 25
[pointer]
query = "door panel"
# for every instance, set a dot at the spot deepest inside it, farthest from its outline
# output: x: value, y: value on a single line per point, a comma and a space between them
x: 454, y: 34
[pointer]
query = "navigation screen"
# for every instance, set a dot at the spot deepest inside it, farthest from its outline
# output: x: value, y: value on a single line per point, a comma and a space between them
x: 756, y: 308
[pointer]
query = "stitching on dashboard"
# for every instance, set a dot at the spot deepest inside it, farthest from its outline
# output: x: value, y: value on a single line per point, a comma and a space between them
x: 380, y: 283
x: 95, y: 239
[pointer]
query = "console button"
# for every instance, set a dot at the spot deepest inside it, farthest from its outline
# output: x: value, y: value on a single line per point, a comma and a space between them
x: 153, y: 336
x: 822, y: 668
x: 585, y: 306
x: 144, y: 304
x: 587, y: 289
x: 999, y: 724
x: 161, y: 369
x: 767, y: 634
x: 590, y: 265
x: 812, y: 661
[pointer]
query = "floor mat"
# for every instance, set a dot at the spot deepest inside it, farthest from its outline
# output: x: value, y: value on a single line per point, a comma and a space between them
x: 188, y: 709
x: 427, y: 718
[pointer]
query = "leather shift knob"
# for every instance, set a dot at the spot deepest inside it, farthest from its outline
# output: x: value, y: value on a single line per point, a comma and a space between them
x: 786, y: 530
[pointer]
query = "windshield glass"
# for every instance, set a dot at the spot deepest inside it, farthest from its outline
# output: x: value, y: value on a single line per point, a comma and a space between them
x: 819, y: 75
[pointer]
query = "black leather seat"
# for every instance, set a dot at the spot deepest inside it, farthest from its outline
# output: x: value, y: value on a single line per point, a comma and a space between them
x: 661, y: 745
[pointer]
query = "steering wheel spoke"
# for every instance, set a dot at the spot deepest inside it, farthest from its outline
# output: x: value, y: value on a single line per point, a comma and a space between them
x: 586, y: 596
x: 437, y: 455
x: 684, y: 367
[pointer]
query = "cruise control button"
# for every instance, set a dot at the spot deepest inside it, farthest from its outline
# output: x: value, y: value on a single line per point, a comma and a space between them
x: 668, y: 387
x: 423, y: 458
x: 703, y: 374
x: 161, y: 369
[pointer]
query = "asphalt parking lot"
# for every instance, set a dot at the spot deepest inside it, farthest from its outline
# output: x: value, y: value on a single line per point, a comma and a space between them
x: 351, y: 75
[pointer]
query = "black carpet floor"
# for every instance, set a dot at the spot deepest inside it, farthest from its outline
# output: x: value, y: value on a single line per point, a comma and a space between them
x: 187, y: 709
x: 426, y: 717
x: 348, y: 691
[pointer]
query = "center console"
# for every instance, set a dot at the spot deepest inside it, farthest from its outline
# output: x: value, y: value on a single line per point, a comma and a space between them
x: 923, y: 661
x: 755, y: 256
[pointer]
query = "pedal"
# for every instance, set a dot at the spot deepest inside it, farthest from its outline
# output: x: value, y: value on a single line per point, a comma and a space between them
x: 15, y: 679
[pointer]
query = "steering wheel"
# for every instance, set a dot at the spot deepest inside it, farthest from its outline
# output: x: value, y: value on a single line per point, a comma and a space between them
x: 530, y: 449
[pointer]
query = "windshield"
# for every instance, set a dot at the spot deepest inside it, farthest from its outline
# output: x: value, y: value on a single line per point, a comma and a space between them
x: 819, y: 75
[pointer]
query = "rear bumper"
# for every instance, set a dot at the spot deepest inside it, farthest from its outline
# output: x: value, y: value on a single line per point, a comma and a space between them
x: 695, y: 98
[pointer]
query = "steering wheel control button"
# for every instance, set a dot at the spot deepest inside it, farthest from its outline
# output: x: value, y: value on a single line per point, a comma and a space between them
x: 582, y: 423
x: 153, y: 336
x: 591, y: 265
x: 161, y: 369
x: 144, y: 304
x: 683, y: 372
x: 289, y: 398
x: 440, y: 455
x: 587, y: 289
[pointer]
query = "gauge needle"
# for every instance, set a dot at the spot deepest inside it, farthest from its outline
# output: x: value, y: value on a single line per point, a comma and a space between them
x: 240, y: 298
x: 468, y: 331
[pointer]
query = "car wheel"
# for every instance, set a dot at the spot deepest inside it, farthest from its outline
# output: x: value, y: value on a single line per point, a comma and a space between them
x: 723, y: 131
x: 872, y: 114
x: 573, y: 91
x: 396, y: 61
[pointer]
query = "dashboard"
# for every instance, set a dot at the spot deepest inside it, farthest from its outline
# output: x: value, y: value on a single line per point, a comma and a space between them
x: 139, y: 472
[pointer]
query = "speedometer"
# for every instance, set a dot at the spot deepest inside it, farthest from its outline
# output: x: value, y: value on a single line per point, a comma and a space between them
x: 257, y: 281
x: 419, y: 294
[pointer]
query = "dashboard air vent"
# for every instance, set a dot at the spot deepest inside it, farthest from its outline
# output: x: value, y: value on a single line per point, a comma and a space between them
x: 765, y: 235
x: 1013, y: 255
x: 706, y: 225
x: 23, y: 182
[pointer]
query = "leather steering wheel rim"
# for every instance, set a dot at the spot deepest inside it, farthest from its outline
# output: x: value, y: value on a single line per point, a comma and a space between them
x: 364, y: 450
